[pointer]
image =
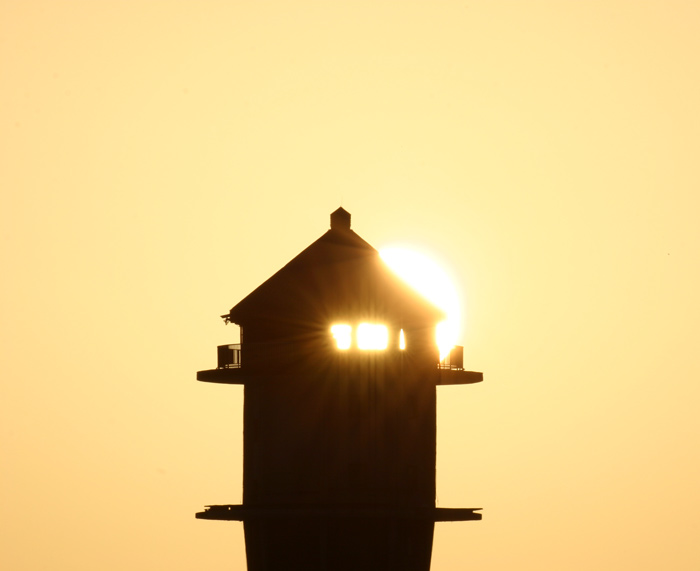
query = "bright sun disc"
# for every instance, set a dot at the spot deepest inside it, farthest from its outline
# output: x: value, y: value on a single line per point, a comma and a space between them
x: 431, y: 281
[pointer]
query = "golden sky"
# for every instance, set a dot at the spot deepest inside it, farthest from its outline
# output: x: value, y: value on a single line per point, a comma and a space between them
x: 160, y: 159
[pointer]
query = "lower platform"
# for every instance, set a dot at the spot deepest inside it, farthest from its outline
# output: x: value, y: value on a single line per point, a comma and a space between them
x: 336, y: 538
x: 244, y: 513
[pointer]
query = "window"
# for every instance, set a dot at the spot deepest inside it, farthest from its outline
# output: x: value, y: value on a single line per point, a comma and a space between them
x: 342, y: 335
x: 372, y: 336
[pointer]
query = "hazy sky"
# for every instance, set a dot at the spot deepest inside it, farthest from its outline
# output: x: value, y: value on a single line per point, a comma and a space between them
x: 160, y: 159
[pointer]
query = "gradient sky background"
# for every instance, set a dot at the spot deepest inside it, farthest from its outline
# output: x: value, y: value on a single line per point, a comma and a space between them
x: 160, y: 159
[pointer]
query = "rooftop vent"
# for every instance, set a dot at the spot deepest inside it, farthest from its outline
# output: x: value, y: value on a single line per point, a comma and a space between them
x: 340, y: 219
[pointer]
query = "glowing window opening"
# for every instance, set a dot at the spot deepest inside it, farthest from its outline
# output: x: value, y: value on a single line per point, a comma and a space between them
x: 371, y: 336
x: 402, y: 340
x: 343, y: 336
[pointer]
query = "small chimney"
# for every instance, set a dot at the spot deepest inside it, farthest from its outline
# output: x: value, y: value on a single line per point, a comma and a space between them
x: 340, y: 219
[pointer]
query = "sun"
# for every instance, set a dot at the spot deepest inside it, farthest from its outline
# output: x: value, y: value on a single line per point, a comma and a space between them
x: 430, y: 280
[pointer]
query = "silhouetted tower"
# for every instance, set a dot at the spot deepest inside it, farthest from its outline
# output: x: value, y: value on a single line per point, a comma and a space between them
x: 339, y: 365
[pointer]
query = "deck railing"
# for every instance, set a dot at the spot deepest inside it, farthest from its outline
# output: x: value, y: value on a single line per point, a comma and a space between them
x: 229, y: 356
x: 454, y: 359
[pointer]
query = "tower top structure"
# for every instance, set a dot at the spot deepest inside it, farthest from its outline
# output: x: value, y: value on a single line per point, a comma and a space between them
x: 339, y: 363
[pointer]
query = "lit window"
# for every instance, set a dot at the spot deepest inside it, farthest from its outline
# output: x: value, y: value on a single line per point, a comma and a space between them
x: 342, y: 335
x: 371, y: 336
x: 402, y: 340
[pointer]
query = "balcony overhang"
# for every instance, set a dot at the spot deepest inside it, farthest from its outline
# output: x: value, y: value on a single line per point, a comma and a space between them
x: 222, y: 376
x: 237, y: 376
x: 459, y: 377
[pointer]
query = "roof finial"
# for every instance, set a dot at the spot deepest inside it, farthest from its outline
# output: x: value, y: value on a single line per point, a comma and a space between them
x: 340, y: 219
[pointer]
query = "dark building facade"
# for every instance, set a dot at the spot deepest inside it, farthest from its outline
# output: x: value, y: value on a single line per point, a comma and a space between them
x: 340, y: 366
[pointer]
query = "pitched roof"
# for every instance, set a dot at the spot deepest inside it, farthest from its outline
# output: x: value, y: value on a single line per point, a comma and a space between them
x: 339, y: 276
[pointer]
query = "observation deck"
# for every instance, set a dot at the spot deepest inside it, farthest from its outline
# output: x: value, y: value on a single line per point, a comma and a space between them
x: 231, y: 370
